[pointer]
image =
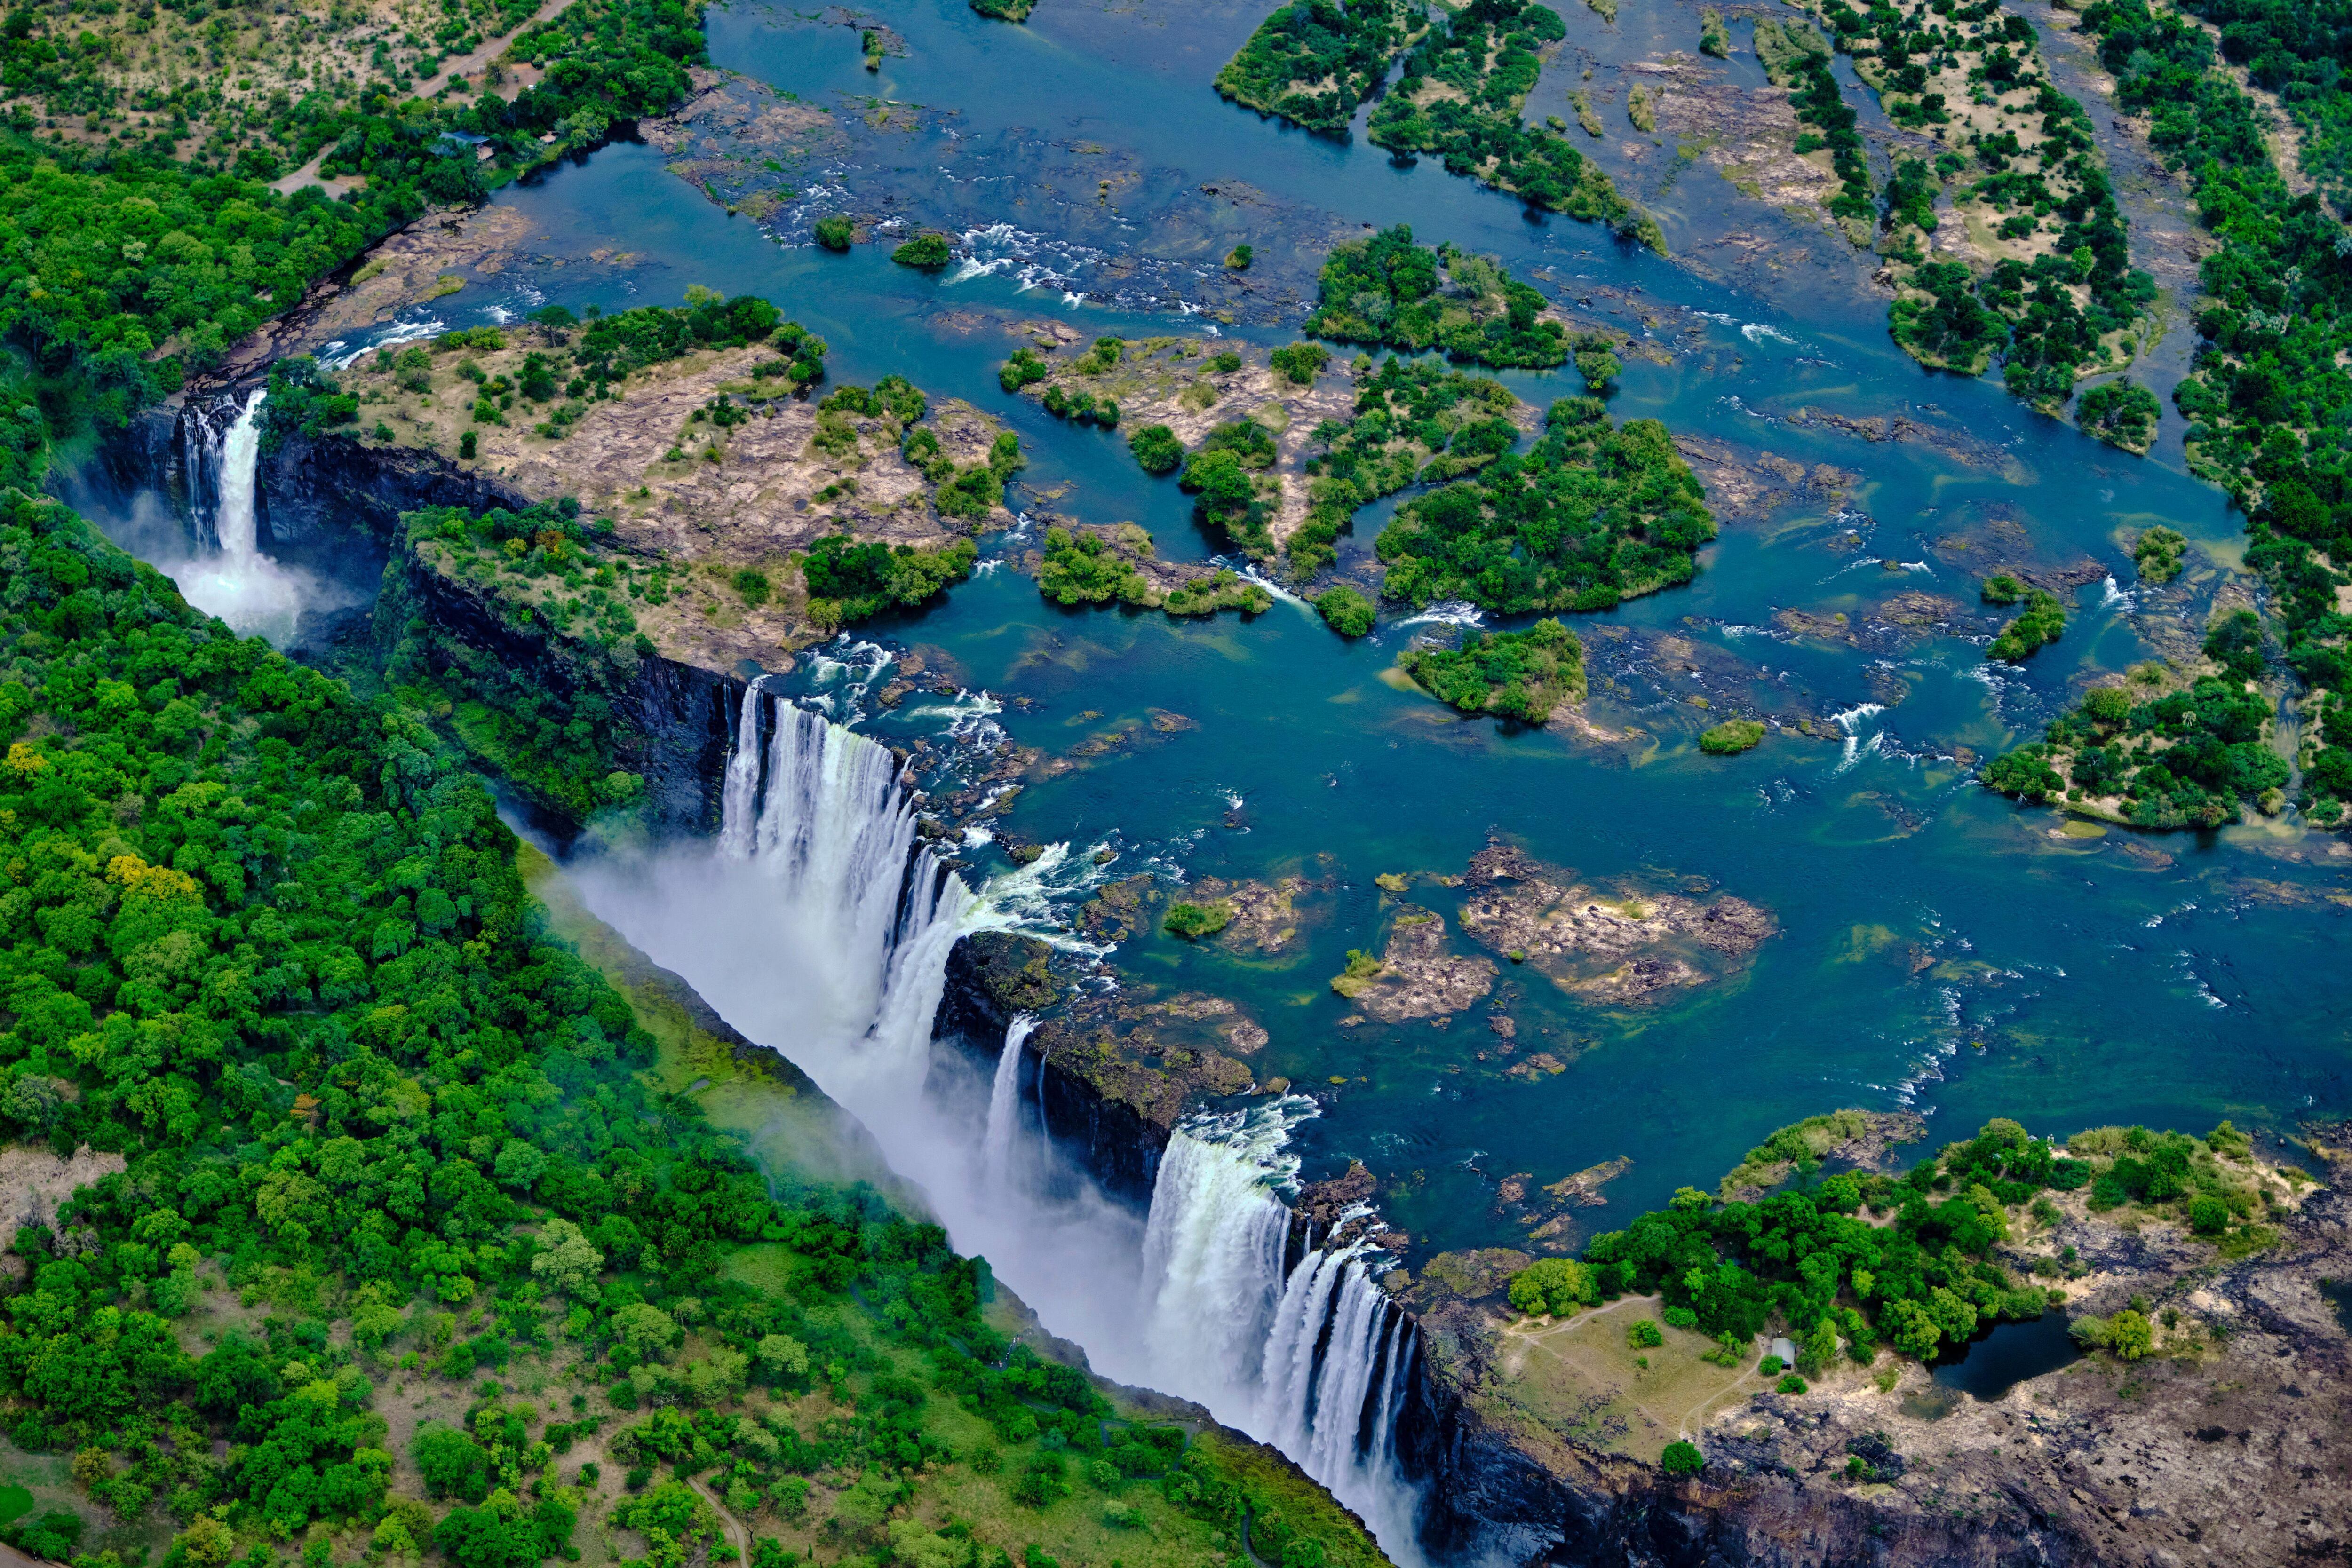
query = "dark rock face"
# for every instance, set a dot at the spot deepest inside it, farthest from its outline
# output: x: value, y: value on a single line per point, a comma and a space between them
x: 674, y: 721
x: 1117, y: 1136
x: 335, y: 504
x: 992, y: 975
x: 330, y: 495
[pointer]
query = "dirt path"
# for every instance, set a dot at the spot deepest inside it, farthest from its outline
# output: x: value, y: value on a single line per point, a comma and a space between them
x: 463, y: 65
x: 735, y: 1527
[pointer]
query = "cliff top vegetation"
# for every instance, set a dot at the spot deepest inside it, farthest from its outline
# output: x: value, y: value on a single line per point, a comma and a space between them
x: 382, y: 1129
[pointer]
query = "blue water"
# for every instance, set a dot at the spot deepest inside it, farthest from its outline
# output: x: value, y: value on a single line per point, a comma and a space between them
x: 1940, y: 948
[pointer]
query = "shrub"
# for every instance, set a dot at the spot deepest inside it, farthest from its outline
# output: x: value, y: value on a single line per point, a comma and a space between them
x: 1301, y: 363
x: 1732, y: 736
x: 1239, y: 257
x: 834, y: 233
x: 1361, y: 969
x: 1791, y: 1384
x: 1156, y: 449
x: 752, y: 584
x: 1025, y: 368
x: 1682, y: 1459
x: 2120, y: 412
x: 1643, y: 1333
x: 927, y: 253
x: 2208, y: 1216
x: 2041, y: 621
x: 1225, y: 363
x: 2003, y: 588
x: 2159, y: 553
x: 1345, y: 610
x: 1190, y: 921
x: 1043, y: 1483
x: 1771, y: 1365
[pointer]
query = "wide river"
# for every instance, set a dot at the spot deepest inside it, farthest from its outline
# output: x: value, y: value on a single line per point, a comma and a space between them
x: 1938, y: 947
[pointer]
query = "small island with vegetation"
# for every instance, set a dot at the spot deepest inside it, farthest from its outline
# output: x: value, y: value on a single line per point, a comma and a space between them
x: 2174, y: 746
x: 1596, y: 513
x: 1522, y: 675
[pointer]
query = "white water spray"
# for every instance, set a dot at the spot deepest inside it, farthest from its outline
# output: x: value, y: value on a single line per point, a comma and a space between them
x: 808, y: 928
x: 1311, y: 1360
x: 238, y: 583
x: 1005, y: 1106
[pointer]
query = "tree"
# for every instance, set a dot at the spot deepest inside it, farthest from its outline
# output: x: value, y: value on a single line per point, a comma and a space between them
x: 1156, y: 449
x: 1556, y: 1286
x: 1345, y: 610
x: 780, y: 1355
x: 566, y: 1260
x: 926, y: 253
x: 1682, y: 1459
x: 451, y: 1463
x: 1909, y: 1329
x: 2130, y: 1335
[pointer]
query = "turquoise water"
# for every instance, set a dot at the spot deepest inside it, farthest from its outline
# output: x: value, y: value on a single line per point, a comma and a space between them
x: 1938, y: 947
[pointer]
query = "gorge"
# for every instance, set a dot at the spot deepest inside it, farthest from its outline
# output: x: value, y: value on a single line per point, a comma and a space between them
x: 972, y: 566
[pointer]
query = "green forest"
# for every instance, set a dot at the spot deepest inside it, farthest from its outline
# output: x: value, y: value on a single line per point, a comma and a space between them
x: 1416, y: 422
x: 387, y: 1138
x: 2268, y: 381
x: 1315, y: 41
x: 2164, y: 753
x: 1521, y: 675
x: 1412, y: 298
x: 124, y: 268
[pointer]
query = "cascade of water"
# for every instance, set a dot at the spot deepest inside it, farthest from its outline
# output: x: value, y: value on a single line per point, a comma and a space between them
x: 820, y: 813
x: 1212, y: 1260
x: 940, y: 909
x: 739, y: 808
x: 1004, y: 1106
x: 238, y: 584
x: 1313, y: 1360
x: 854, y: 926
x: 236, y: 523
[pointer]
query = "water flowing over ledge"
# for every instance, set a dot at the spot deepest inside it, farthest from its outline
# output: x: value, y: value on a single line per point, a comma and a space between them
x: 236, y: 581
x: 818, y: 924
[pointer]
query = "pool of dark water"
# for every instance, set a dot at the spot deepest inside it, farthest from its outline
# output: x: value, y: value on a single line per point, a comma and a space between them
x: 2010, y: 1354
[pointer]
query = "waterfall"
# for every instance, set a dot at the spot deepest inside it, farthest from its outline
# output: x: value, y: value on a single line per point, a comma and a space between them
x: 237, y: 582
x: 817, y: 926
x: 819, y: 812
x: 1312, y: 1359
x: 1005, y: 1106
x: 1213, y: 1254
x: 234, y: 524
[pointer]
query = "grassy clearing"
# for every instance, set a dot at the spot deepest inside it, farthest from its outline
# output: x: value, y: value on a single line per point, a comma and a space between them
x: 1583, y: 1378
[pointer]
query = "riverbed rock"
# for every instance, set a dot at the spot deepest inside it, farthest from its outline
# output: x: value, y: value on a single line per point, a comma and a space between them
x: 2222, y: 1448
x: 1266, y: 915
x: 1421, y: 976
x: 1620, y: 948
